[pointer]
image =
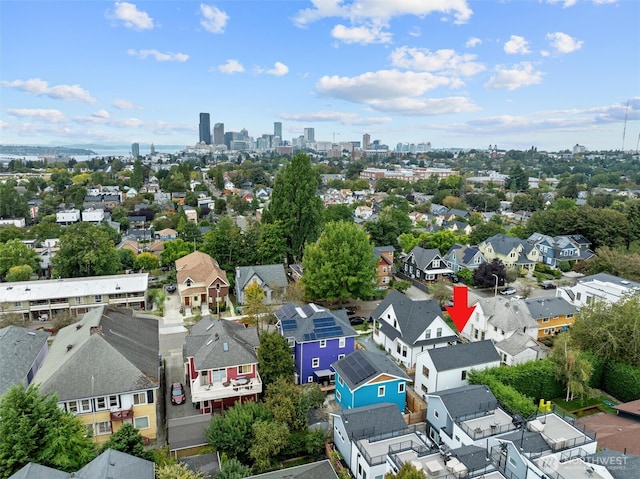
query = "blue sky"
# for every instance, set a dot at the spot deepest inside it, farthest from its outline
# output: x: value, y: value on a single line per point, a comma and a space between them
x: 456, y: 73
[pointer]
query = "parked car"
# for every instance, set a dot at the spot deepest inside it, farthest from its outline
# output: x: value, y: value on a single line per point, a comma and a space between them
x: 355, y: 320
x: 177, y: 393
x: 170, y: 288
x: 508, y: 291
x: 548, y: 286
x: 350, y: 310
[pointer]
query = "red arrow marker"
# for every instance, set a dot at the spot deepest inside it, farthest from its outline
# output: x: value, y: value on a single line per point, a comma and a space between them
x: 460, y: 312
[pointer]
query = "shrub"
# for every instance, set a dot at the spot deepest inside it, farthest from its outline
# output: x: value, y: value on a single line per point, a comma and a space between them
x: 622, y: 381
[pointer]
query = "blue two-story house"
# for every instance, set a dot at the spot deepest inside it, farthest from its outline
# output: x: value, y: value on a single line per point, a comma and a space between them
x: 318, y: 337
x: 553, y: 250
x: 364, y: 378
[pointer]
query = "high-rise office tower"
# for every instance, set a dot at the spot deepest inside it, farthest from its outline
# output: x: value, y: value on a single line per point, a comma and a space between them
x: 152, y: 149
x: 366, y: 141
x: 277, y: 129
x: 309, y: 135
x: 205, y: 128
x: 218, y: 134
x: 135, y: 150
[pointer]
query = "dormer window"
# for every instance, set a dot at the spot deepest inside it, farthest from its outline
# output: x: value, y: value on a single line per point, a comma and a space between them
x: 188, y: 283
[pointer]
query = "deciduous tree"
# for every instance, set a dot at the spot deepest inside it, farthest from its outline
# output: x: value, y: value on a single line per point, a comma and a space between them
x: 15, y: 253
x: 128, y: 439
x: 146, y: 261
x: 274, y: 358
x: 340, y: 265
x: 572, y: 368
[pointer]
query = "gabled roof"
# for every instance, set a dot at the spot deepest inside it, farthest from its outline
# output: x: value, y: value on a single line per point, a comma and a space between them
x: 272, y: 275
x: 517, y: 343
x: 216, y: 344
x: 423, y: 257
x: 313, y: 323
x: 467, y: 400
x: 109, y: 351
x: 458, y: 212
x: 113, y: 464
x: 358, y: 422
x: 504, y: 244
x: 36, y: 471
x: 316, y: 470
x: 19, y: 348
x: 549, y: 307
x: 463, y: 355
x: 361, y: 366
x: 464, y: 254
x: 414, y: 317
x: 507, y: 314
x: 200, y: 267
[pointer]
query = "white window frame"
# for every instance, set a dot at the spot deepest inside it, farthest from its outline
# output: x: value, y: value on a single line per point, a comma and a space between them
x: 342, y: 342
x: 309, y: 379
x: 137, y: 396
x: 338, y: 396
x: 401, y: 388
x: 245, y: 369
x: 340, y: 381
x: 340, y: 356
x: 439, y: 333
x: 101, y: 403
x: 113, y: 401
x: 381, y: 391
x: 137, y: 419
x: 97, y: 298
x: 103, y: 428
x: 315, y: 363
x: 323, y: 343
x: 72, y: 407
x: 85, y: 405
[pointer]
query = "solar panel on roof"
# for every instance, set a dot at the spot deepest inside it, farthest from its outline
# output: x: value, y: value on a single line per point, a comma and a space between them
x: 323, y: 322
x: 308, y: 310
x: 328, y: 332
x: 357, y: 368
x: 287, y: 311
x: 288, y: 324
x: 310, y: 337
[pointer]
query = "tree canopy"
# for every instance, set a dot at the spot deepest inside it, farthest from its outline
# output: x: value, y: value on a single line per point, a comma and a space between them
x: 483, y: 276
x: 274, y: 358
x: 295, y: 203
x: 340, y: 265
x: 128, y: 439
x: 14, y: 253
x: 34, y: 429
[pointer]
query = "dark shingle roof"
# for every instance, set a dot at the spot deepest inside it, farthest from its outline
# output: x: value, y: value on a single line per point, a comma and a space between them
x: 549, y: 307
x: 375, y: 363
x: 527, y: 441
x: 113, y: 464
x: 315, y: 470
x: 423, y: 257
x: 463, y: 355
x: 206, y: 464
x: 358, y: 422
x: 36, y: 471
x: 308, y: 321
x: 19, y: 348
x: 473, y: 457
x: 621, y: 466
x: 272, y: 275
x: 467, y: 400
x: 208, y: 337
x: 414, y: 317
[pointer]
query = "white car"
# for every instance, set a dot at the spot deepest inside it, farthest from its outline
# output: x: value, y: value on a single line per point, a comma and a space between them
x: 508, y: 291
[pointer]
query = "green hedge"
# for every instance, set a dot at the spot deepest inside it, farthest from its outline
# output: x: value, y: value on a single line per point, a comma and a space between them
x: 511, y: 400
x: 597, y: 376
x: 535, y: 379
x: 621, y: 381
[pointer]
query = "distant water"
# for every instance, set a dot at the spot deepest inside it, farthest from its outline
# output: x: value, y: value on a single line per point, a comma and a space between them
x: 127, y: 153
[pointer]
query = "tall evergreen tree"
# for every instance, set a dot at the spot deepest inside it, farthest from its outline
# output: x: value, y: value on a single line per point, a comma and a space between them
x: 295, y: 203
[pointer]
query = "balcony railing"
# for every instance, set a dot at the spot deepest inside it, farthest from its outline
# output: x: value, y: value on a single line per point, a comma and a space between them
x: 122, y: 414
x: 478, y: 433
x: 216, y: 391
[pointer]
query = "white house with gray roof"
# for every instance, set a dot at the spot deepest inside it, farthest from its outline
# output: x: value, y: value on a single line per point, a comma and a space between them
x: 272, y: 278
x: 602, y: 286
x: 513, y: 252
x: 406, y: 327
x: 447, y: 368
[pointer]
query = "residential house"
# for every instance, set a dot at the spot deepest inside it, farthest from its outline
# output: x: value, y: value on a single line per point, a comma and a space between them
x: 315, y: 470
x: 94, y: 215
x: 68, y: 217
x: 363, y: 212
x: 131, y: 245
x: 137, y: 222
x: 547, y: 446
x: 461, y: 257
x: 425, y: 264
x: 97, y: 199
x: 270, y: 277
x: 447, y: 368
x: 201, y: 282
x: 44, y: 299
x: 457, y: 226
x: 406, y: 327
x: 553, y: 250
x: 384, y: 265
x: 520, y: 348
x: 439, y: 210
x: 553, y: 315
x: 318, y: 338
x: 166, y: 234
x: 366, y: 377
x: 354, y: 430
x: 464, y: 416
x: 454, y: 214
x: 179, y: 197
x: 513, y: 252
x: 221, y: 364
x: 191, y: 213
x: 108, y: 465
x: 105, y: 370
x: 598, y: 287
x: 22, y: 352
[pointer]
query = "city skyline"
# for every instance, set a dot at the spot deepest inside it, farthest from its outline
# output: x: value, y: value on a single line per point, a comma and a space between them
x: 456, y: 74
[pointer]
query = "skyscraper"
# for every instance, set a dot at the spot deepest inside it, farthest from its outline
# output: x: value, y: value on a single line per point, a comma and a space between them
x: 205, y: 128
x: 218, y: 134
x: 366, y: 141
x: 277, y: 133
x: 135, y: 150
x: 309, y: 135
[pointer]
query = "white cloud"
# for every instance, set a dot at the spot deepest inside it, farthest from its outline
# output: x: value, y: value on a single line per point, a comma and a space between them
x: 563, y: 43
x: 213, y: 20
x: 472, y: 42
x: 362, y: 35
x: 380, y: 85
x: 121, y: 104
x: 516, y: 45
x: 336, y: 116
x: 38, y: 87
x: 102, y: 113
x: 231, y: 66
x: 571, y: 3
x: 426, y: 106
x: 158, y: 55
x: 52, y: 116
x: 132, y: 18
x: 279, y: 69
x: 415, y: 32
x: 522, y: 74
x: 446, y: 61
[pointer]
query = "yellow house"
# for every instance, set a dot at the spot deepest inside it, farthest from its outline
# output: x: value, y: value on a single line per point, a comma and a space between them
x: 105, y: 370
x: 553, y: 315
x: 513, y: 252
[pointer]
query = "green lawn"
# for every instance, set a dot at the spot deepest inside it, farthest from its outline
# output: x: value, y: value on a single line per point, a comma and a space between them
x: 583, y: 403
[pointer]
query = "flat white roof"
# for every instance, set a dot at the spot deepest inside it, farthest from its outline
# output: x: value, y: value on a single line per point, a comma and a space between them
x: 73, y: 287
